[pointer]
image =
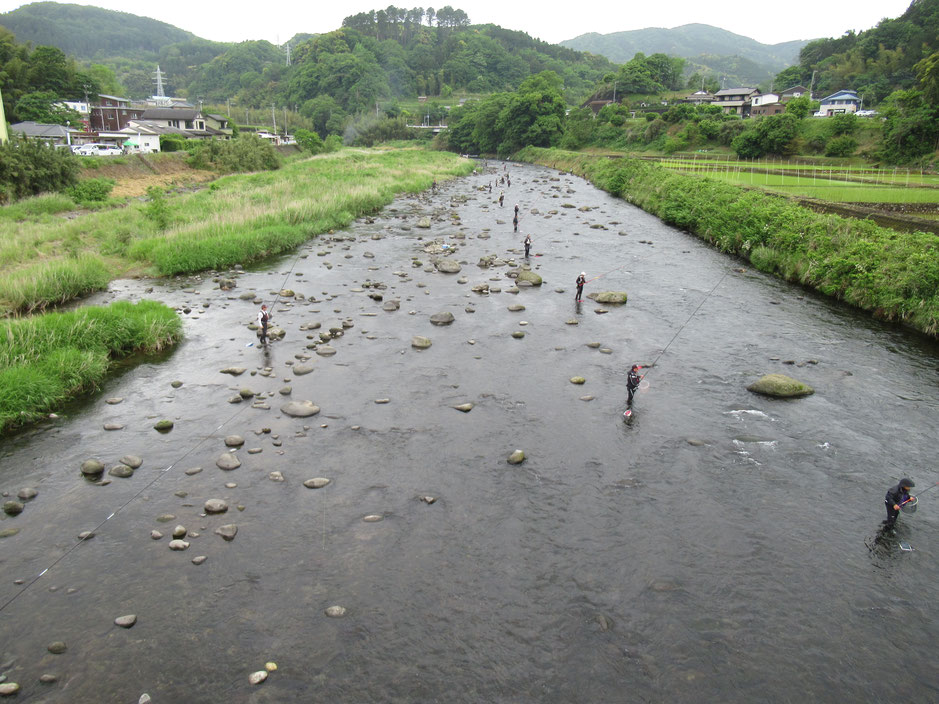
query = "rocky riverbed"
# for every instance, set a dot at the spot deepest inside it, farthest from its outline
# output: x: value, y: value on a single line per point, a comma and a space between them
x: 424, y: 488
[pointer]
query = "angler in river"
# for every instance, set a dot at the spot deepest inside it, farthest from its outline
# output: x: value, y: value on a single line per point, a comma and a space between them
x: 896, y: 497
x: 263, y: 319
x: 527, y: 245
x: 581, y: 280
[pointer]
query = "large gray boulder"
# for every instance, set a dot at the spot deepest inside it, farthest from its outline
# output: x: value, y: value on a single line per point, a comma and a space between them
x: 300, y: 409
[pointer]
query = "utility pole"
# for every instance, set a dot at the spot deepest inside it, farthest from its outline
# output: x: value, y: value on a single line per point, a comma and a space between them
x: 285, y: 121
x: 614, y: 92
x: 228, y: 103
x: 274, y: 118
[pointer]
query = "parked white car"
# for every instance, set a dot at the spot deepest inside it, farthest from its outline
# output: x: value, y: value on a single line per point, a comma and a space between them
x: 866, y: 113
x: 98, y: 149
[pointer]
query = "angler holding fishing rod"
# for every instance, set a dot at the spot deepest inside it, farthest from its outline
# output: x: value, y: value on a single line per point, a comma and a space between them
x: 898, y: 499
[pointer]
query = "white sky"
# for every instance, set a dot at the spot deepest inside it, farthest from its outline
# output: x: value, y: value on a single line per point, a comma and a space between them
x: 278, y: 20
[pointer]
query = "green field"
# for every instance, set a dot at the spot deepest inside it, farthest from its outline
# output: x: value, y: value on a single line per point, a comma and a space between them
x: 849, y: 183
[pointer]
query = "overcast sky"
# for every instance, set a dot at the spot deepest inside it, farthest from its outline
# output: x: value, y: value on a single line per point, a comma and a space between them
x: 278, y: 20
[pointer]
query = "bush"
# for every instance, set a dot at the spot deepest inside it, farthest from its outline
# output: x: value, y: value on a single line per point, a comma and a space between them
x: 845, y: 145
x: 309, y: 141
x: 247, y: 153
x: 172, y: 143
x: 649, y: 116
x: 156, y: 210
x: 841, y: 124
x: 333, y: 143
x: 91, y: 190
x: 30, y: 167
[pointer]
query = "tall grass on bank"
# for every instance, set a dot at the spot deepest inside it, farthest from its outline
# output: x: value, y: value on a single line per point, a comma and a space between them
x: 891, y: 274
x: 48, y: 359
x: 243, y: 218
x: 38, y: 286
x: 239, y: 218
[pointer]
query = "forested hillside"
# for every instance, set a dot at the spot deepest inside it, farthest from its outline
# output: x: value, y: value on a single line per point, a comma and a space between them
x: 91, y: 32
x: 875, y: 62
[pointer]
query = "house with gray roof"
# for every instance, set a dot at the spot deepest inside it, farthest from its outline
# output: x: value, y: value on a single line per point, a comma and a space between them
x: 735, y: 101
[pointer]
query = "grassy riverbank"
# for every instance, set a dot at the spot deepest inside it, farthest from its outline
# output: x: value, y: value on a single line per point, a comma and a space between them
x: 48, y: 359
x: 46, y: 258
x: 891, y: 274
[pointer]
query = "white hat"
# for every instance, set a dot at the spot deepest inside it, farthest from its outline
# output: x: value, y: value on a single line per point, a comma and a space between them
x: 583, y: 273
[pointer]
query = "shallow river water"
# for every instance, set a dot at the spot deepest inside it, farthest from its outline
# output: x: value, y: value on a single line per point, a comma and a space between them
x: 719, y: 547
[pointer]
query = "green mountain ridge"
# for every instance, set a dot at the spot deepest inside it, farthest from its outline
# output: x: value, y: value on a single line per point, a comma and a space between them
x: 87, y: 32
x: 706, y: 47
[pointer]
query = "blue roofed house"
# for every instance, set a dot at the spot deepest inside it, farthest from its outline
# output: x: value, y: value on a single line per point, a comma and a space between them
x: 841, y: 102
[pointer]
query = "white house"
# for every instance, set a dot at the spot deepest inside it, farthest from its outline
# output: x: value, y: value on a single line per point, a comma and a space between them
x: 764, y: 99
x: 735, y: 101
x: 844, y: 101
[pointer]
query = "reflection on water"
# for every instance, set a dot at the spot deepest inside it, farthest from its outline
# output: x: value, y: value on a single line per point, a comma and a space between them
x: 715, y: 546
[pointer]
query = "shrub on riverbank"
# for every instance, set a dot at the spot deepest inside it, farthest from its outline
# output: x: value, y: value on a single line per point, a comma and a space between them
x: 48, y: 359
x: 893, y: 275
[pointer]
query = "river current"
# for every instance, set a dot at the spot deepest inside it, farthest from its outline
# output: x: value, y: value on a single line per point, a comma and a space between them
x: 718, y: 547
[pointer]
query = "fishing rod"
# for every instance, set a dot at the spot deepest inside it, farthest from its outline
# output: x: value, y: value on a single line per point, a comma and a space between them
x: 607, y: 272
x: 910, y: 503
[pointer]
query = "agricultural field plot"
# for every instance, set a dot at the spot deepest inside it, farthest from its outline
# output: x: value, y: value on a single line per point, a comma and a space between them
x: 839, y: 184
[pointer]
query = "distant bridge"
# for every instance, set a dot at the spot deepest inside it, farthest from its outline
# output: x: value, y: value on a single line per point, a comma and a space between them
x: 436, y: 128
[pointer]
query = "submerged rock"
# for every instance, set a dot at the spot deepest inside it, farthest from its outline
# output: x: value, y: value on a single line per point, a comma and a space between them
x: 300, y: 409
x: 780, y: 386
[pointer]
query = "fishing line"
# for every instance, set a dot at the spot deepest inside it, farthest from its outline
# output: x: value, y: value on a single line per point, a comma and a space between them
x: 608, y: 272
x: 121, y: 508
x: 703, y: 301
x: 151, y: 483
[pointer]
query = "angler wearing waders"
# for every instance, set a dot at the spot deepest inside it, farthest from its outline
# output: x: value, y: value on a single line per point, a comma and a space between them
x: 527, y: 245
x: 501, y: 198
x: 263, y: 318
x: 896, y: 497
x: 515, y: 222
x: 633, y: 377
x: 581, y: 280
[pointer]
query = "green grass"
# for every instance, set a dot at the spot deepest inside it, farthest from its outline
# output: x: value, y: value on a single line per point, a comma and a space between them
x: 48, y: 359
x: 239, y: 218
x: 891, y: 274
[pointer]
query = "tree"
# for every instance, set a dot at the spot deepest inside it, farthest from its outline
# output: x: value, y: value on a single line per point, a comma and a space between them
x: 927, y: 73
x: 43, y: 107
x: 309, y: 141
x: 534, y: 114
x: 911, y: 127
x: 788, y: 78
x: 770, y: 135
x: 799, y: 107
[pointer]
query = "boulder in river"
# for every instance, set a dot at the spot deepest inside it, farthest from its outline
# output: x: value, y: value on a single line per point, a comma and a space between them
x: 121, y: 471
x: 215, y: 506
x: 618, y: 297
x: 227, y: 461
x: 516, y: 457
x: 420, y: 342
x: 126, y: 621
x: 780, y: 386
x: 234, y: 441
x: 448, y: 266
x: 131, y: 461
x: 227, y: 531
x: 465, y: 407
x: 234, y: 371
x: 528, y: 276
x: 300, y: 409
x: 444, y: 318
x: 92, y: 468
x: 316, y: 483
x: 423, y: 223
x: 163, y: 426
x: 301, y: 369
x: 12, y: 508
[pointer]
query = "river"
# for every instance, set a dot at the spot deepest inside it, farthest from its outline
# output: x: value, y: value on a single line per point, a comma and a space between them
x: 720, y: 546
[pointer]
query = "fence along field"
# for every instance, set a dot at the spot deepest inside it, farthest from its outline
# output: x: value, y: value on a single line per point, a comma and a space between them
x: 835, y: 183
